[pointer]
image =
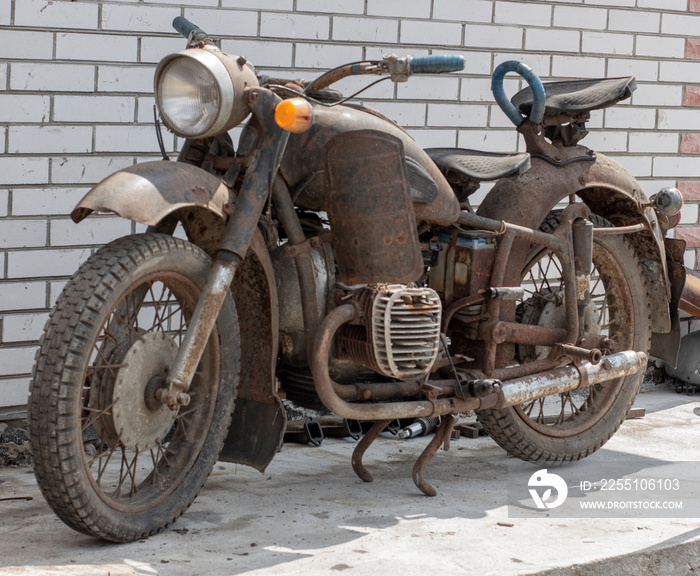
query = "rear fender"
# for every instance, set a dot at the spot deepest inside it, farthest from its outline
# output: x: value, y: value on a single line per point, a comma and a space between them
x: 610, y: 191
x: 149, y: 193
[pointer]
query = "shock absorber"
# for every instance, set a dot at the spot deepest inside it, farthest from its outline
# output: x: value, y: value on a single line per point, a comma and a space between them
x: 582, y: 232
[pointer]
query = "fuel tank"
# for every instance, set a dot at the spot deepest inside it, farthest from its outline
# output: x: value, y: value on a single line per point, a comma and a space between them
x: 304, y: 170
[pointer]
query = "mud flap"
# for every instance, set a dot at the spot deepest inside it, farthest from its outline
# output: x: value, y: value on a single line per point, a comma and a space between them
x: 688, y: 369
x: 256, y: 433
x: 667, y: 346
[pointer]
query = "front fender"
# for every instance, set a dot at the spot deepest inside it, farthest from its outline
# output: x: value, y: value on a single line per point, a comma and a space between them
x: 149, y: 192
x: 610, y: 191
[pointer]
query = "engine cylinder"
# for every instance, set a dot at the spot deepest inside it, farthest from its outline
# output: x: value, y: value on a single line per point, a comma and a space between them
x: 400, y: 335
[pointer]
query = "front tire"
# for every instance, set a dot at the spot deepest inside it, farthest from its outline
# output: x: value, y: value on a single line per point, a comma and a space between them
x: 567, y: 427
x: 111, y: 460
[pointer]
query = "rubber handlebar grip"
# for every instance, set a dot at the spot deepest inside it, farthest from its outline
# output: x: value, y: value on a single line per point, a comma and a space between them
x: 436, y: 64
x: 183, y: 26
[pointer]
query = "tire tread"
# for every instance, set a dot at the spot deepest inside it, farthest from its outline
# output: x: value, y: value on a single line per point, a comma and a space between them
x: 61, y: 352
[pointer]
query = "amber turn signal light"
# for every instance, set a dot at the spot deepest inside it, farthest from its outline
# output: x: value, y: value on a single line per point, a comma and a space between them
x: 294, y: 115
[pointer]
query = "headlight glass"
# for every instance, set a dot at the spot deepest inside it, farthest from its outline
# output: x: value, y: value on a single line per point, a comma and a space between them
x: 189, y: 97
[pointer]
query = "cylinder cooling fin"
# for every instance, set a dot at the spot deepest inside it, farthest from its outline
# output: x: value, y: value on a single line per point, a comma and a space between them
x: 405, y: 330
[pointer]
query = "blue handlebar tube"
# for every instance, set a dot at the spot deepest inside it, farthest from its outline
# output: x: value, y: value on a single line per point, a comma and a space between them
x: 436, y: 64
x: 538, y: 94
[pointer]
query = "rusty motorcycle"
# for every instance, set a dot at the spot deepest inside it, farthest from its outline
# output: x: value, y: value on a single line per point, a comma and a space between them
x: 331, y: 261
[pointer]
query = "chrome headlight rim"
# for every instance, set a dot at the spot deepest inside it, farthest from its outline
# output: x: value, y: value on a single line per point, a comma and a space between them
x: 227, y: 94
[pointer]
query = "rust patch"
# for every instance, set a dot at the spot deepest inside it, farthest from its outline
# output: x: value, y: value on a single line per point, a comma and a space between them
x: 367, y: 191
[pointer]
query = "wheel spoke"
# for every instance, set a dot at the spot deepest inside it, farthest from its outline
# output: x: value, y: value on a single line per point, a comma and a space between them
x: 157, y: 322
x: 106, y: 364
x: 574, y: 409
x: 595, y: 286
x: 132, y: 330
x: 98, y: 414
x: 94, y: 369
x: 163, y: 455
x: 557, y: 265
x: 560, y: 418
x: 171, y: 314
x: 528, y: 408
x: 540, y: 415
x: 182, y: 425
x: 102, y: 467
x: 127, y: 471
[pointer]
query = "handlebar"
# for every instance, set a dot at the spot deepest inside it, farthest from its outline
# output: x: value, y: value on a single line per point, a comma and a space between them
x: 184, y: 27
x: 399, y: 68
x: 538, y: 94
x: 436, y: 64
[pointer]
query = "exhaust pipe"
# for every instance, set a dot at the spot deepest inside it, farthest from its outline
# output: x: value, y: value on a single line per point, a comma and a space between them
x: 510, y: 393
x: 690, y: 297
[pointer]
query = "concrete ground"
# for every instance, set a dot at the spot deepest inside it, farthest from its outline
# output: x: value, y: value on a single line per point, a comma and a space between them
x: 310, y: 514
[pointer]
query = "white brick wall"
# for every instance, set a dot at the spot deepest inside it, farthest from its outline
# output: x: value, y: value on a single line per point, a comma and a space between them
x: 76, y: 99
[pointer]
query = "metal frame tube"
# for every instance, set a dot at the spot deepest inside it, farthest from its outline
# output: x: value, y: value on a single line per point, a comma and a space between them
x: 305, y: 268
x: 582, y: 236
x: 513, y: 392
x: 512, y: 332
x: 562, y: 245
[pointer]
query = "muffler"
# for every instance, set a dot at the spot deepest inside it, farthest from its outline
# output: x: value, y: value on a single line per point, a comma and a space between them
x: 690, y: 297
x: 572, y: 377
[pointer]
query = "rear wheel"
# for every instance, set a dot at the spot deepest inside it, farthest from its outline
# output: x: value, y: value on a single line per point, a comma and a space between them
x: 570, y: 426
x: 111, y: 460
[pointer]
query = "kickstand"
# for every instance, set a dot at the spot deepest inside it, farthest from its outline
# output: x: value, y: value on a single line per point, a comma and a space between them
x: 362, y: 446
x: 442, y: 436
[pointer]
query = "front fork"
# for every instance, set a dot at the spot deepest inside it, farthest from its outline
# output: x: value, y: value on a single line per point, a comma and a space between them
x: 237, y: 236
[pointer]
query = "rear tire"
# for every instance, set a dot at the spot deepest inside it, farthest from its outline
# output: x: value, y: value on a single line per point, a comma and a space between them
x: 111, y: 460
x: 567, y: 427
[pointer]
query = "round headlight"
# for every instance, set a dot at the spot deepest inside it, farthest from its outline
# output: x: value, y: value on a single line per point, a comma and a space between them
x: 190, y: 98
x: 199, y: 92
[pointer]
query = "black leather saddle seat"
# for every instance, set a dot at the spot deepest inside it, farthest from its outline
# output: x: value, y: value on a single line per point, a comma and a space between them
x: 477, y: 165
x: 573, y: 97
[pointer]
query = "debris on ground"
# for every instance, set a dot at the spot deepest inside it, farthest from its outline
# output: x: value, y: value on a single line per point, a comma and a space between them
x: 14, y: 446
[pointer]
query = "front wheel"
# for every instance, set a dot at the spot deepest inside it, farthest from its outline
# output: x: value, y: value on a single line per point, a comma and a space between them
x: 111, y: 460
x: 567, y: 427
